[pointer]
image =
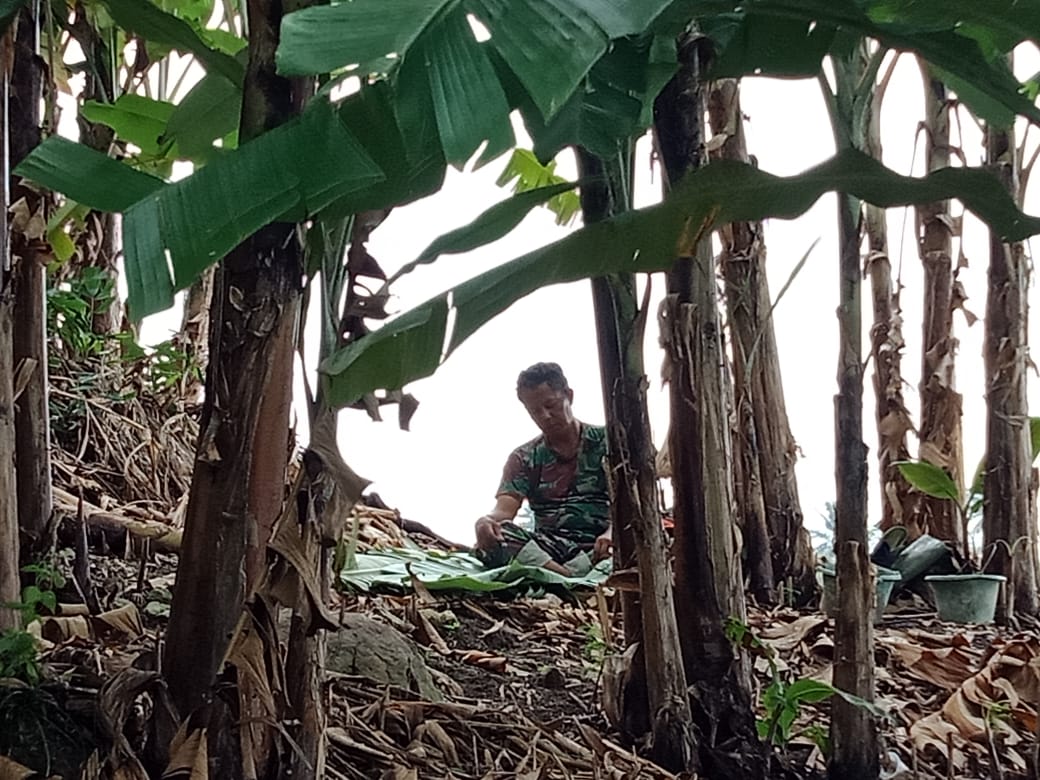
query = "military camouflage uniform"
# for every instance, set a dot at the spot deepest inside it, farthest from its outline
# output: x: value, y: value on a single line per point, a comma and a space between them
x: 568, y: 497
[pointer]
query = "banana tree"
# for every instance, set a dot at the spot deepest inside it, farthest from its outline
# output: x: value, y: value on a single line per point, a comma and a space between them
x: 708, y: 578
x: 1008, y: 482
x: 10, y: 589
x: 886, y: 335
x: 853, y: 730
x: 237, y: 483
x: 651, y: 620
x: 26, y: 258
x: 940, y: 430
x: 777, y: 544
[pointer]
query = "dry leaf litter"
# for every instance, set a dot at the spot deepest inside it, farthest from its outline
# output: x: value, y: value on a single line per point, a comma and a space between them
x: 521, y: 680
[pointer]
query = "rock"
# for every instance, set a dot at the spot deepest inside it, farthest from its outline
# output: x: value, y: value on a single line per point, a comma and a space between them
x: 366, y: 647
x: 552, y: 678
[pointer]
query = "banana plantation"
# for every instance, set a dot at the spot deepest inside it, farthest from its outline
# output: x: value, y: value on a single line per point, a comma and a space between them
x: 190, y: 587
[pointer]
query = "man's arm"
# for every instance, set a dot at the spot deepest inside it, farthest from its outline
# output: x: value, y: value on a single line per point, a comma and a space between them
x: 604, y: 544
x: 489, y: 527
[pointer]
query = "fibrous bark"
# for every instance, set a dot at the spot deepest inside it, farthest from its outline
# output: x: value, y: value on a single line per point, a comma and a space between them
x: 305, y: 677
x: 854, y: 753
x: 765, y: 448
x: 749, y: 503
x: 9, y: 586
x: 194, y: 333
x: 854, y: 745
x: 635, y: 520
x: 886, y: 350
x: 940, y: 435
x: 28, y: 279
x: 221, y: 522
x: 708, y: 584
x: 244, y: 424
x: 614, y: 302
x: 305, y: 658
x: 9, y: 542
x: 1008, y: 547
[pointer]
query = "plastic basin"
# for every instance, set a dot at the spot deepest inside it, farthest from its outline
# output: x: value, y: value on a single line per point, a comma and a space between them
x: 884, y: 582
x: 966, y: 598
x: 919, y: 556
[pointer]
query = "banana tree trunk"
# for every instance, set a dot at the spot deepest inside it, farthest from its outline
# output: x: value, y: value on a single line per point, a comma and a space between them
x: 650, y: 621
x: 1008, y: 541
x: 10, y: 590
x: 854, y: 753
x: 610, y: 296
x: 305, y: 656
x: 101, y: 249
x: 239, y: 476
x: 854, y: 741
x: 9, y: 541
x: 708, y: 582
x: 329, y: 489
x: 765, y: 449
x: 940, y: 433
x: 886, y: 350
x: 29, y: 276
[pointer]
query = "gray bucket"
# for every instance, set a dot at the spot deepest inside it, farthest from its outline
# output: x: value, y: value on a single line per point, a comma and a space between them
x: 966, y: 598
x: 919, y: 556
x: 885, y: 580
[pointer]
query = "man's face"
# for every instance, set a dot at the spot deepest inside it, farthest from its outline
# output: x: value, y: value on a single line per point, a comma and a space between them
x: 550, y: 409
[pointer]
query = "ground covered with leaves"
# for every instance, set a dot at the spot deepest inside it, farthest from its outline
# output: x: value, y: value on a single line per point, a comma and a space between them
x: 511, y: 685
x: 425, y: 682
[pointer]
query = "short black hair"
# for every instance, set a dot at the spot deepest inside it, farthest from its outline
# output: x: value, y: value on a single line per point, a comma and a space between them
x: 542, y: 374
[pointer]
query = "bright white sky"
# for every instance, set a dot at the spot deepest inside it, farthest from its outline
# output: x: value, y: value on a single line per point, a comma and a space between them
x: 445, y: 471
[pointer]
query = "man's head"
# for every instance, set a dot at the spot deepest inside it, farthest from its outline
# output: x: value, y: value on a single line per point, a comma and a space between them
x: 544, y: 392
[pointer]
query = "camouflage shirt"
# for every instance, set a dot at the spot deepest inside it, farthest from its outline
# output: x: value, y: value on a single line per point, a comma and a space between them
x: 568, y: 497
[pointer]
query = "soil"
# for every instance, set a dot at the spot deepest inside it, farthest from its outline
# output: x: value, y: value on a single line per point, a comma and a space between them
x: 553, y: 684
x: 533, y: 663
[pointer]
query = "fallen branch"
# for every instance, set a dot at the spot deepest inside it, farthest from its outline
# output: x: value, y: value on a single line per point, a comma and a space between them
x: 163, y: 537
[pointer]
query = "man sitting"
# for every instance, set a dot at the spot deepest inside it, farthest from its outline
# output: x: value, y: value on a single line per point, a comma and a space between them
x: 562, y: 476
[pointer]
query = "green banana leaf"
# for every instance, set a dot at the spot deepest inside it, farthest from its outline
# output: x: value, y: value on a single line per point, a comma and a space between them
x: 934, y: 481
x: 450, y: 93
x: 548, y: 44
x: 134, y: 118
x: 8, y: 10
x: 289, y: 173
x: 209, y: 111
x: 153, y: 24
x: 553, y: 49
x: 87, y: 176
x: 929, y: 479
x: 441, y: 571
x: 410, y: 347
x: 490, y: 226
x: 965, y: 41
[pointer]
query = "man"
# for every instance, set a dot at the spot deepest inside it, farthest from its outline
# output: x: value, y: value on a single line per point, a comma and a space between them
x: 561, y: 475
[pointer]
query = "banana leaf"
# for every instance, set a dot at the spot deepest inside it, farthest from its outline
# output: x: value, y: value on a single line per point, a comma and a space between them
x: 441, y: 571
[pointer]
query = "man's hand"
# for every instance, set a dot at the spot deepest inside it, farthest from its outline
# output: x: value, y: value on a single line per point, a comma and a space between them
x: 489, y: 532
x: 604, y: 543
